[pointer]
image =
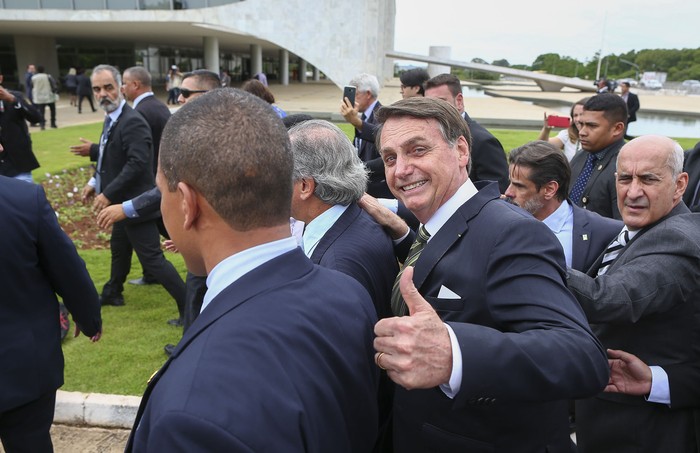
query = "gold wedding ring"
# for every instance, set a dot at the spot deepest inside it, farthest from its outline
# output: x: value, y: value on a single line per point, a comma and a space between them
x: 379, y: 356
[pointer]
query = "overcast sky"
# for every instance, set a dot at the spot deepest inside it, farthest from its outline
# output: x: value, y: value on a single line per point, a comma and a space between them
x: 519, y: 31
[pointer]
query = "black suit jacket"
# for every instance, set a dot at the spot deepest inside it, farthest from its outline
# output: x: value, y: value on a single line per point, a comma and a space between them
x: 280, y: 361
x: 488, y: 158
x: 126, y: 170
x: 525, y: 343
x: 358, y: 246
x: 156, y: 115
x: 14, y: 136
x: 692, y: 167
x: 632, y: 107
x: 600, y: 194
x: 591, y: 236
x: 38, y: 261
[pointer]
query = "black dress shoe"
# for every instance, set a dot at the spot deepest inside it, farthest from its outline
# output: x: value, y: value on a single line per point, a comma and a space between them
x: 142, y: 281
x: 169, y: 349
x: 177, y: 322
x: 114, y: 301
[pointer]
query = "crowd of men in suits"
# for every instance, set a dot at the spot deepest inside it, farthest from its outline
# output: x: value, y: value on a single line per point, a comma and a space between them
x: 523, y: 284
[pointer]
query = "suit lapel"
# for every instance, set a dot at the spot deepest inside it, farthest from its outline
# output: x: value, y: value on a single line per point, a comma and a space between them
x: 338, y: 228
x: 451, y: 232
x: 581, y: 236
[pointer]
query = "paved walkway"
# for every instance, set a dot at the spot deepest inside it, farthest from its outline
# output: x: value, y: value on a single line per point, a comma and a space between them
x: 322, y: 100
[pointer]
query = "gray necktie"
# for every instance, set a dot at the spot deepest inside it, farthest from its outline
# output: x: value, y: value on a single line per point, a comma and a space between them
x: 613, y: 251
x: 398, y: 306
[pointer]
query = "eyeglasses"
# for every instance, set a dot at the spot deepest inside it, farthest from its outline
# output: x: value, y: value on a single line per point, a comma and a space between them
x: 187, y: 93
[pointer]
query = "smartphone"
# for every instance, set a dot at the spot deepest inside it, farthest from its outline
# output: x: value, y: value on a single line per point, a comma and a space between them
x: 558, y: 121
x: 349, y: 92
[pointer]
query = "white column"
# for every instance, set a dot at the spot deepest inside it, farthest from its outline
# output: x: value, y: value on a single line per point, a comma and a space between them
x: 255, y: 59
x: 439, y: 52
x: 317, y: 74
x: 302, y: 70
x: 284, y: 66
x: 37, y: 51
x: 211, y: 53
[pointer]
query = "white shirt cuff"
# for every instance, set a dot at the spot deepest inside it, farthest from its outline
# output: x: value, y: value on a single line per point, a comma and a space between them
x: 451, y: 389
x: 392, y: 204
x: 660, y: 392
x: 93, y: 182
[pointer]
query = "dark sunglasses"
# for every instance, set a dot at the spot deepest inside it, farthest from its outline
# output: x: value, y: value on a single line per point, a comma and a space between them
x: 187, y: 93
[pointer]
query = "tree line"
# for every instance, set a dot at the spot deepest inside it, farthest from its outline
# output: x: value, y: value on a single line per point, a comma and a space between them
x: 679, y: 64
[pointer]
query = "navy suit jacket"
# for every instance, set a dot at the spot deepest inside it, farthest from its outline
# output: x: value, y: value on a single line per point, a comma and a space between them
x: 281, y: 360
x: 156, y: 115
x: 358, y: 246
x: 632, y: 107
x: 591, y: 236
x: 38, y: 261
x: 525, y: 343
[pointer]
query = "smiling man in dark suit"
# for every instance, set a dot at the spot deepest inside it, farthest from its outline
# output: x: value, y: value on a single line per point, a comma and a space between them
x: 643, y: 296
x: 539, y: 183
x: 494, y: 343
x: 124, y: 170
x: 38, y: 261
x: 280, y: 357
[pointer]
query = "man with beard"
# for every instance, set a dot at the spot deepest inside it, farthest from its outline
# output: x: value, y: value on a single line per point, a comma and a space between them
x: 124, y: 170
x: 539, y: 183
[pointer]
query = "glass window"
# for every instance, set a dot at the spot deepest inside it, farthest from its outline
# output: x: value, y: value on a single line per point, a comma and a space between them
x: 89, y: 4
x: 121, y: 4
x: 21, y: 4
x: 154, y: 4
x: 57, y: 4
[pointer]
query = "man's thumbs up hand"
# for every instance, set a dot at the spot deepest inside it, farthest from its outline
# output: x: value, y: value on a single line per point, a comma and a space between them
x: 415, y: 350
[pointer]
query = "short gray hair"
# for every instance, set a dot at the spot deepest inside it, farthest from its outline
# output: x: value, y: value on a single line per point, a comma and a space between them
x: 115, y: 73
x: 323, y: 152
x: 675, y: 159
x: 141, y: 74
x: 366, y: 82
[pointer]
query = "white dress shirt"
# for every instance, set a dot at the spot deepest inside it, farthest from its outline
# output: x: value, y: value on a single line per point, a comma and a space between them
x: 318, y: 227
x: 561, y: 222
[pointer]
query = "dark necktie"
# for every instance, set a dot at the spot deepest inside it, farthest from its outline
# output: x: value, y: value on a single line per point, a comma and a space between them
x: 103, y: 142
x: 614, y: 250
x: 358, y: 140
x: 398, y: 306
x: 582, y: 180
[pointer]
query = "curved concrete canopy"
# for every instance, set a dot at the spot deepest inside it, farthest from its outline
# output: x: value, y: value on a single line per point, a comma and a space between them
x: 339, y: 38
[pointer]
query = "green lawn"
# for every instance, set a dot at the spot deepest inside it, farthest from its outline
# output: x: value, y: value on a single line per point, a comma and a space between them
x: 131, y: 348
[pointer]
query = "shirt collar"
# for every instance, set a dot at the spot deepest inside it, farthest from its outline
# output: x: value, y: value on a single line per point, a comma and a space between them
x: 237, y: 265
x: 368, y: 111
x: 557, y: 220
x: 444, y: 212
x: 140, y: 97
x: 318, y: 227
x: 114, y: 116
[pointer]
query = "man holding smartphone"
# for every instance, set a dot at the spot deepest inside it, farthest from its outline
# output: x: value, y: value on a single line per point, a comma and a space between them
x: 366, y: 104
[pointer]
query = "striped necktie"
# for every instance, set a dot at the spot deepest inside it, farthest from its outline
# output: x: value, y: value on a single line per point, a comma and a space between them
x: 398, y: 306
x: 613, y: 250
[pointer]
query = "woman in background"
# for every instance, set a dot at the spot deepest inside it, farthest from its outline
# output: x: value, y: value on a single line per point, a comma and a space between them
x: 258, y: 89
x: 566, y: 139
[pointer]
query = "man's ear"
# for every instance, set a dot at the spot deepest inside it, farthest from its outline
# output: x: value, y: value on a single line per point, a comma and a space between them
x: 307, y: 186
x: 550, y: 190
x: 189, y: 204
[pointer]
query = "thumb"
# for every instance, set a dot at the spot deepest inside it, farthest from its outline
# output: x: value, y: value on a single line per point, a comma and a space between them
x: 414, y: 301
x: 83, y: 140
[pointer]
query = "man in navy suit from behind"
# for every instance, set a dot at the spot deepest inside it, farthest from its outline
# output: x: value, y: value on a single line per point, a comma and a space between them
x: 539, y: 183
x: 38, y: 261
x: 494, y: 344
x: 280, y: 357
